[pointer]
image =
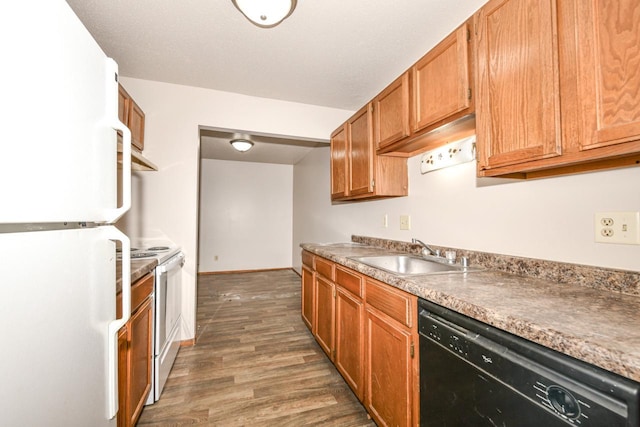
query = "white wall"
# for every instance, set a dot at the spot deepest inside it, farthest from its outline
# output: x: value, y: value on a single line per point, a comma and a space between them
x: 246, y: 215
x: 166, y: 201
x: 550, y: 219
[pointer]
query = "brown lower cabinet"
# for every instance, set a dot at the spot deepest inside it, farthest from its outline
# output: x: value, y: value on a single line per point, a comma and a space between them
x: 135, y: 353
x: 349, y: 340
x: 307, y: 296
x: 391, y: 356
x: 368, y: 330
x: 324, y: 325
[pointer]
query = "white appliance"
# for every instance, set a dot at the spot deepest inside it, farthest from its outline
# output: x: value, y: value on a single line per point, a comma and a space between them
x: 167, y: 309
x: 167, y: 319
x: 58, y: 191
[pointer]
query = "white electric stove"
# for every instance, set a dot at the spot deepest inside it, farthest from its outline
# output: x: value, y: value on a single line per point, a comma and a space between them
x: 167, y: 309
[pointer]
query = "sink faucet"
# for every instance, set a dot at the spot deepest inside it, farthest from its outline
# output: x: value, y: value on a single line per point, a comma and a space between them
x: 426, y: 249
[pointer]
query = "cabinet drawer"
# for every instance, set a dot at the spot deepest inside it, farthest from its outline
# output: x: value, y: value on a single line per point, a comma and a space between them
x: 349, y: 280
x: 139, y: 292
x: 392, y: 302
x: 307, y: 259
x: 325, y: 268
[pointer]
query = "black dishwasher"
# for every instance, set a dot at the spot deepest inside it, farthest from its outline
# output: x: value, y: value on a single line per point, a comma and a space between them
x: 472, y: 374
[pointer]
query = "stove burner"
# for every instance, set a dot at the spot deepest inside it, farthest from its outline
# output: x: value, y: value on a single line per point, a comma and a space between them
x: 143, y: 255
x: 158, y: 248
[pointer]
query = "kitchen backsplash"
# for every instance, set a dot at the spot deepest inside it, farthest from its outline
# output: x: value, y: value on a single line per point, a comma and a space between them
x: 627, y: 282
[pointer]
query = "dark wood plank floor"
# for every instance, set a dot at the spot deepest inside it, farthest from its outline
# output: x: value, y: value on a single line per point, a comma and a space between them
x: 255, y: 363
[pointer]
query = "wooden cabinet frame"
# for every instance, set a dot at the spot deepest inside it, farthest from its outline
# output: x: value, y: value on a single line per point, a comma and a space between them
x: 132, y: 116
x: 518, y: 83
x: 389, y: 370
x: 349, y: 340
x: 391, y: 113
x: 308, y: 296
x: 135, y: 352
x: 339, y: 163
x: 357, y: 172
x: 442, y: 81
x: 441, y: 92
x: 587, y: 117
x: 369, y: 331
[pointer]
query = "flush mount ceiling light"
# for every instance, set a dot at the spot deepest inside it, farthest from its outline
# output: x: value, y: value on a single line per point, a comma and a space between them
x: 241, y: 145
x: 265, y: 13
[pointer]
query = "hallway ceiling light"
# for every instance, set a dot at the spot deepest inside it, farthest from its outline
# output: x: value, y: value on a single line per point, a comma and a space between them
x: 265, y: 13
x: 241, y: 145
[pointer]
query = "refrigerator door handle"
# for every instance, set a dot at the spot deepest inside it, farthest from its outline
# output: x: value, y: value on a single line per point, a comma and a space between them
x: 117, y: 324
x: 114, y: 122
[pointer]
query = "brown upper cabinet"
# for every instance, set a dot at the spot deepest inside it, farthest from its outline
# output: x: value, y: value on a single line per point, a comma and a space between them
x: 557, y: 89
x: 361, y: 153
x: 339, y: 163
x: 391, y: 113
x: 356, y: 171
x: 132, y: 116
x: 609, y: 82
x: 442, y: 81
x: 518, y: 80
x: 437, y: 90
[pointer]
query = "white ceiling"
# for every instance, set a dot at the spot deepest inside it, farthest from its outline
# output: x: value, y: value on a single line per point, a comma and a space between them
x: 333, y: 53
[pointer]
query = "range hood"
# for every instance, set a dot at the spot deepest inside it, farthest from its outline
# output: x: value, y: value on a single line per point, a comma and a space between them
x: 138, y: 161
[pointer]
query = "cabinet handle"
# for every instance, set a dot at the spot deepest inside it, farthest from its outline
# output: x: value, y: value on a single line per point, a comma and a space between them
x: 411, y: 350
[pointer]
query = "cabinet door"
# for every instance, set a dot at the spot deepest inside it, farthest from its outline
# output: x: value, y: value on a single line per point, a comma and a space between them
x: 388, y: 370
x: 518, y: 103
x: 391, y: 112
x: 360, y: 140
x: 140, y: 328
x: 349, y: 349
x: 123, y: 105
x: 339, y: 163
x: 136, y: 125
x: 307, y: 297
x: 441, y: 80
x: 608, y: 36
x: 324, y: 314
x: 123, y: 377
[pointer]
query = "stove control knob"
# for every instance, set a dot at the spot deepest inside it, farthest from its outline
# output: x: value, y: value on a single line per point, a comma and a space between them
x: 563, y: 402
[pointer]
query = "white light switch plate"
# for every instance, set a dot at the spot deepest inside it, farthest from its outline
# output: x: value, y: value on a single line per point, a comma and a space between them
x: 617, y: 227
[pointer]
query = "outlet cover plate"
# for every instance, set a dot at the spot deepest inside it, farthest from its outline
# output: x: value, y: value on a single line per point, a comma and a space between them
x: 405, y: 222
x: 617, y: 227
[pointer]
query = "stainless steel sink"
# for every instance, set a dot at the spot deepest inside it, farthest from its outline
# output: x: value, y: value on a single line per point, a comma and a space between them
x: 411, y: 265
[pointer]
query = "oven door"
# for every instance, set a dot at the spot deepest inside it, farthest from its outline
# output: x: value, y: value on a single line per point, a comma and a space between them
x: 168, y: 300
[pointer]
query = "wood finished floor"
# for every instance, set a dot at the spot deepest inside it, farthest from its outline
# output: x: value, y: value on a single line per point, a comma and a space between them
x: 255, y: 363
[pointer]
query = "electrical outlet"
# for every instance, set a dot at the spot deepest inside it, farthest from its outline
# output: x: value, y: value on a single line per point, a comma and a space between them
x: 385, y: 221
x: 405, y: 222
x: 617, y: 227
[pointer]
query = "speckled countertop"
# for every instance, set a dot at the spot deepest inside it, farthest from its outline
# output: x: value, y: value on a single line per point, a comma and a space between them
x: 598, y: 326
x: 139, y: 267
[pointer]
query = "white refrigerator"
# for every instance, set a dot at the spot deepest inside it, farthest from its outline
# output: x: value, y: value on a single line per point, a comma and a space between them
x: 58, y: 202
